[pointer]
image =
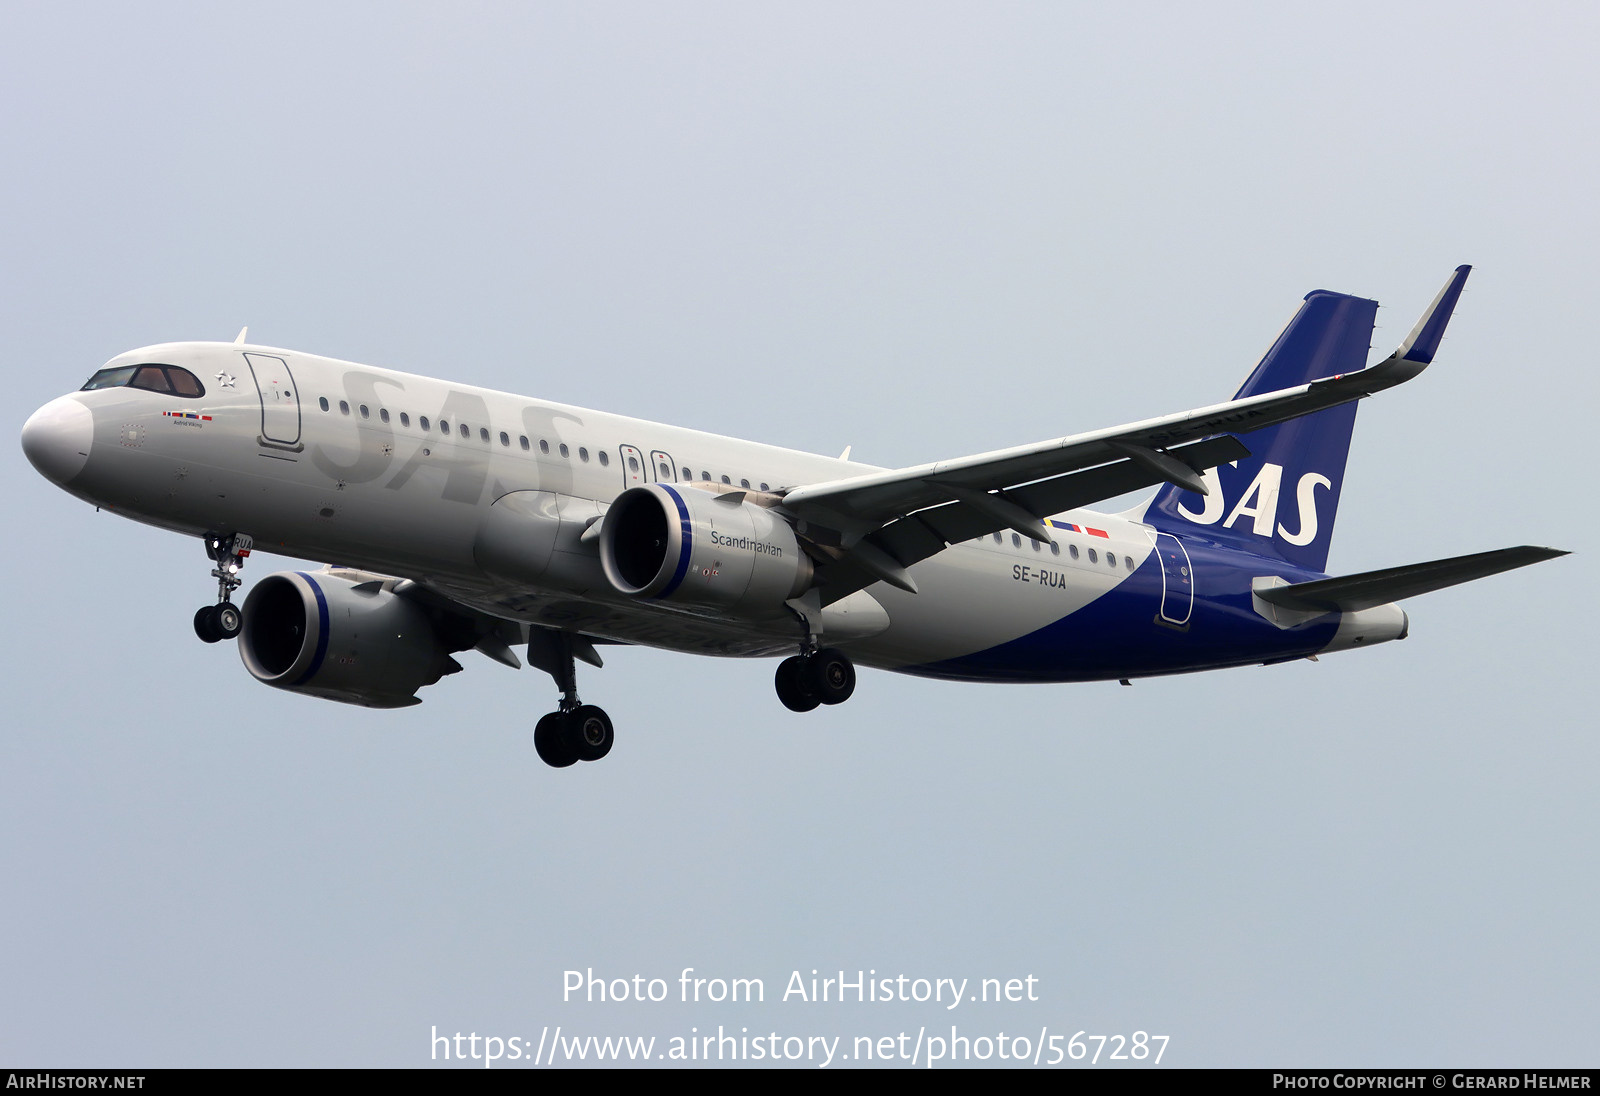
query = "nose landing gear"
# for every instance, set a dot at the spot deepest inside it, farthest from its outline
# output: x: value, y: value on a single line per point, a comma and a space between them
x: 223, y: 620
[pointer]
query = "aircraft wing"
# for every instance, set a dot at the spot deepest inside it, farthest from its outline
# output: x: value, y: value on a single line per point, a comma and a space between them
x: 921, y: 509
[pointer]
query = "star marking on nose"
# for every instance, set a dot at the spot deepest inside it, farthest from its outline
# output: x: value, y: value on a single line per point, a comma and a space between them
x: 225, y: 379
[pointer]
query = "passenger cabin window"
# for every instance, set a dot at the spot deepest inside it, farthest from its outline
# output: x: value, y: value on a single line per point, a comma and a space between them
x: 167, y: 379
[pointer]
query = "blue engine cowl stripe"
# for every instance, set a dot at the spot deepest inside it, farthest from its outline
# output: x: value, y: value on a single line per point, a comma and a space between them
x: 322, y: 631
x: 684, y: 548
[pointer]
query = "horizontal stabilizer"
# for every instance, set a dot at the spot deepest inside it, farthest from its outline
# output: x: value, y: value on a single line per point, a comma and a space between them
x: 1352, y: 593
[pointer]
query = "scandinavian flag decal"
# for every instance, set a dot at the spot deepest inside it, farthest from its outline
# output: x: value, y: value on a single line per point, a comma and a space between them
x: 1081, y: 529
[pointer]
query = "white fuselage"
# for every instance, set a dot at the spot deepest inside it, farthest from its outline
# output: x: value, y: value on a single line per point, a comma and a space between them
x: 398, y: 473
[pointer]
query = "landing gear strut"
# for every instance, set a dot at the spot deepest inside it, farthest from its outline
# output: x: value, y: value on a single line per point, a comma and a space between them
x: 826, y: 676
x: 574, y: 731
x: 223, y: 620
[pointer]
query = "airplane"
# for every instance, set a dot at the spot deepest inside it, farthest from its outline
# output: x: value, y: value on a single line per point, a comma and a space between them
x: 467, y: 519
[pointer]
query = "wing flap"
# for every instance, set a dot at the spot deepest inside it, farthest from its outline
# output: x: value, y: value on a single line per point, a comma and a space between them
x: 915, y: 537
x: 958, y: 521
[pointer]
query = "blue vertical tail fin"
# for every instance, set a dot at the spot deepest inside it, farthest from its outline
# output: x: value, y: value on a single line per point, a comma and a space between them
x: 1281, y: 501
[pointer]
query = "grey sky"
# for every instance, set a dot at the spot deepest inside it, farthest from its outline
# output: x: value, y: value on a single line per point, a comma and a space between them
x: 922, y: 230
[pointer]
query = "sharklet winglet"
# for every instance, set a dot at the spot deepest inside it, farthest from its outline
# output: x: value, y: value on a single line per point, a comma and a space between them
x: 1423, y: 342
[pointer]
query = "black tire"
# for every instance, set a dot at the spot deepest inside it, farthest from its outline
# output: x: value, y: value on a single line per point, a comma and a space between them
x: 588, y: 732
x: 551, y: 743
x: 793, y: 690
x: 205, y: 624
x: 831, y: 675
x: 228, y: 619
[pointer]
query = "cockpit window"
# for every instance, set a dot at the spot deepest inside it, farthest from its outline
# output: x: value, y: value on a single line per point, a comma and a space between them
x: 152, y: 378
x: 184, y: 383
x: 110, y: 378
x: 167, y: 379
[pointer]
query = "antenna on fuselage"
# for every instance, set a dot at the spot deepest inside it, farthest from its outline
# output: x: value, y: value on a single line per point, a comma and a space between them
x: 239, y: 339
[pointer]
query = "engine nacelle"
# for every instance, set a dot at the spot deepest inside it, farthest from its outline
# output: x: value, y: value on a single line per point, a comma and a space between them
x: 694, y: 548
x: 340, y: 638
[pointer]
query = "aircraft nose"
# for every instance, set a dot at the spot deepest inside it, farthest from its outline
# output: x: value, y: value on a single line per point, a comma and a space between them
x: 56, y: 439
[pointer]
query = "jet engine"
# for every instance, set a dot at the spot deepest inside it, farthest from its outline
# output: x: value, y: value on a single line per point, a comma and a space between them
x: 717, y: 552
x: 341, y: 637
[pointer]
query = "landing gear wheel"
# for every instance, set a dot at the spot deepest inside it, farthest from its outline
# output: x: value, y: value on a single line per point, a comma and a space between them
x: 588, y: 732
x: 830, y: 675
x: 205, y: 624
x: 228, y: 619
x: 551, y: 744
x: 223, y: 620
x: 793, y: 688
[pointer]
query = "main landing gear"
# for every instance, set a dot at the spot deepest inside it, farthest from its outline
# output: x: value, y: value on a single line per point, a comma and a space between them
x: 570, y: 735
x: 223, y: 620
x: 574, y: 731
x: 811, y: 678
